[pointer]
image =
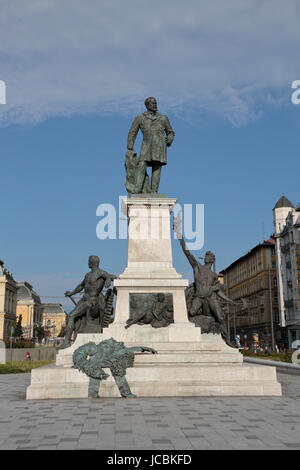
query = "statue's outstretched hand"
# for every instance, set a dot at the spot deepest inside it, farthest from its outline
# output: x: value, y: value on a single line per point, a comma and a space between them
x: 151, y: 350
x: 68, y: 294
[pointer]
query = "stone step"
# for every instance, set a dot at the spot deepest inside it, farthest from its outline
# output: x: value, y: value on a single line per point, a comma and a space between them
x: 157, y: 388
x: 163, y: 372
x: 187, y: 357
x: 196, y: 388
x: 161, y: 380
x: 178, y: 357
x: 175, y: 355
x: 222, y: 352
x: 185, y: 346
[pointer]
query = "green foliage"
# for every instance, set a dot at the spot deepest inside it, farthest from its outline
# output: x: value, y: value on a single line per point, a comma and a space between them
x: 281, y: 356
x: 21, y: 367
x: 18, y: 333
x: 20, y: 344
x: 40, y: 333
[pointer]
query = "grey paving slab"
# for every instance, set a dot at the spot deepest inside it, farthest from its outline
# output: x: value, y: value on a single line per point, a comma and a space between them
x: 149, y: 423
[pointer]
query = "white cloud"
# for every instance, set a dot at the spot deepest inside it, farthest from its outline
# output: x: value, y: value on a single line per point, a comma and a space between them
x: 65, y: 57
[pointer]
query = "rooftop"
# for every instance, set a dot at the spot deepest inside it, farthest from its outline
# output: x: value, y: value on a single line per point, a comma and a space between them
x: 265, y: 243
x: 283, y: 202
x: 26, y: 292
x: 52, y: 308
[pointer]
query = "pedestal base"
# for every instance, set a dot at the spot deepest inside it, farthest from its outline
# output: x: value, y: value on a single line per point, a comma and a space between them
x: 187, y: 363
x: 205, y: 367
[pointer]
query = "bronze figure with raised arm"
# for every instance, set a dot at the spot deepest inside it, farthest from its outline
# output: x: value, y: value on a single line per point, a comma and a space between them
x: 202, y: 295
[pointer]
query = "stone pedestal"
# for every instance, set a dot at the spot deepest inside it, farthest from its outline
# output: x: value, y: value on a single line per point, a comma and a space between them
x: 150, y: 264
x: 207, y: 367
x: 187, y: 363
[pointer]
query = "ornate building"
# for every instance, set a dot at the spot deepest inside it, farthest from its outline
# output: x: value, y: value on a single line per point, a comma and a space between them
x: 54, y: 319
x: 287, y: 236
x: 29, y: 306
x: 251, y: 279
x: 8, y: 302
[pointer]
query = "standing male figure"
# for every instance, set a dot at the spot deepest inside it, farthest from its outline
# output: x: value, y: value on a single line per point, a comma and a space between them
x: 206, y: 289
x: 92, y: 284
x: 157, y: 135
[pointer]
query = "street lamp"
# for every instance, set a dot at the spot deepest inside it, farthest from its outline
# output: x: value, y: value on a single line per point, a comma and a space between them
x: 53, y: 326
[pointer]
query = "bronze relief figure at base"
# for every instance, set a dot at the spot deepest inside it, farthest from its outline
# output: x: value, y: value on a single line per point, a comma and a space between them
x: 151, y: 309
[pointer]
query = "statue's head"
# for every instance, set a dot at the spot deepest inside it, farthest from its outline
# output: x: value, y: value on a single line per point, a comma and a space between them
x: 94, y: 261
x: 209, y: 258
x: 151, y: 104
x: 91, y: 348
x: 161, y: 297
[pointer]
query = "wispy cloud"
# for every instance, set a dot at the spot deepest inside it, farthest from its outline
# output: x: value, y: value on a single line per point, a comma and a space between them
x: 67, y: 57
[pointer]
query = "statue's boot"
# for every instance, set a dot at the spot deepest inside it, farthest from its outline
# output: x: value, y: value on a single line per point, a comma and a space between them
x: 69, y: 330
x: 93, y: 391
x: 123, y: 387
x: 65, y: 344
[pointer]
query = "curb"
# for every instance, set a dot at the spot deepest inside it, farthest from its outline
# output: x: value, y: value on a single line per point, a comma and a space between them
x: 277, y: 364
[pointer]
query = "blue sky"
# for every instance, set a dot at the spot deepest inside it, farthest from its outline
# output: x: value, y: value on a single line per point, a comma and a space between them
x: 76, y: 76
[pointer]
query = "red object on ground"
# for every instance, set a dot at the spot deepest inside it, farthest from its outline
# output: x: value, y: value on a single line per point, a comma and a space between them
x: 28, y: 355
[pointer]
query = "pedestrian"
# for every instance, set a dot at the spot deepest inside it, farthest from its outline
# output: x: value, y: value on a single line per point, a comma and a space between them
x: 28, y: 357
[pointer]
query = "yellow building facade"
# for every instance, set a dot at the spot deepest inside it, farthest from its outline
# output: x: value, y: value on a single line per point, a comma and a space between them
x: 54, y: 319
x: 29, y: 306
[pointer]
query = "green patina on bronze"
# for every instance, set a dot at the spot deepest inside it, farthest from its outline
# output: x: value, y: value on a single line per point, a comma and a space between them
x: 92, y: 358
x: 157, y: 136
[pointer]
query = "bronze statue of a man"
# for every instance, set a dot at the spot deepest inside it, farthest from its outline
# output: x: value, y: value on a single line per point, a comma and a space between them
x: 157, y: 136
x: 93, y: 299
x: 203, y: 306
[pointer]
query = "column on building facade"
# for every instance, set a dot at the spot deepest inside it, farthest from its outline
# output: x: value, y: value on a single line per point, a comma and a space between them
x: 8, y: 292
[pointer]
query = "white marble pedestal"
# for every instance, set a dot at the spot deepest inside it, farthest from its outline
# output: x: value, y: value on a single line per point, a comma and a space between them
x: 207, y: 367
x: 187, y: 363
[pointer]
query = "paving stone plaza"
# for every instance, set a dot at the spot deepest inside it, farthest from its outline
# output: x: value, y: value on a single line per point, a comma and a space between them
x: 149, y: 423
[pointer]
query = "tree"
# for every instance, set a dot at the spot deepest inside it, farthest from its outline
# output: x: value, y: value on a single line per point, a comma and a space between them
x: 62, y: 333
x: 40, y: 333
x: 18, y: 333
